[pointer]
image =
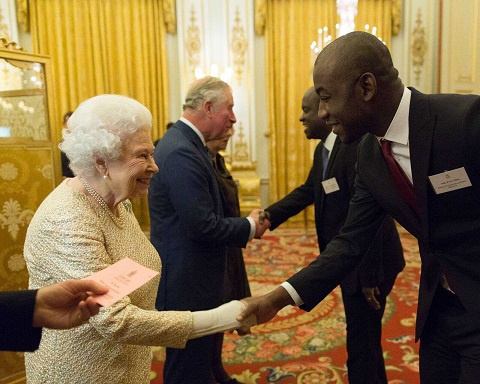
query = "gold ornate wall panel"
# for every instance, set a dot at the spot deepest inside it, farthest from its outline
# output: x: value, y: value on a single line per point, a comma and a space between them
x: 29, y: 168
x: 460, y: 47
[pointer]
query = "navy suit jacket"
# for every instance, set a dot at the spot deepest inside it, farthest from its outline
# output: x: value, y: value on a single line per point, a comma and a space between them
x: 188, y: 227
x: 16, y: 316
x: 444, y: 135
x: 384, y: 260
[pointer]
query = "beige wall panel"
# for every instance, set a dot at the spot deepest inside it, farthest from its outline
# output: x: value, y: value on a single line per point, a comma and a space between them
x: 460, y: 49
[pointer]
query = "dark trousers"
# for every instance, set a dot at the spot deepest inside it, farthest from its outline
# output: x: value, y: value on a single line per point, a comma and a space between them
x: 192, y: 364
x: 450, y: 343
x: 364, y: 338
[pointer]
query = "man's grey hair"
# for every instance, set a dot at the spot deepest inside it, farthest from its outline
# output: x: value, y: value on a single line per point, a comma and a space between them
x: 100, y: 127
x: 207, y: 88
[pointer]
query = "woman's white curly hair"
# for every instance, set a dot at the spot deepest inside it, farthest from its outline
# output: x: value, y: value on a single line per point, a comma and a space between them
x: 99, y: 128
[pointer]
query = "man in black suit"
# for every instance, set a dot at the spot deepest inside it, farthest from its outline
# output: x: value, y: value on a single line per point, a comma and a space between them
x: 418, y: 162
x: 59, y: 306
x: 376, y: 275
x: 188, y: 226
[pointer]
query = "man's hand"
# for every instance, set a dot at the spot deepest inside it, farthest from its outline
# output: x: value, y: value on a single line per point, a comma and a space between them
x: 265, y: 307
x: 67, y: 304
x: 369, y: 294
x: 261, y: 224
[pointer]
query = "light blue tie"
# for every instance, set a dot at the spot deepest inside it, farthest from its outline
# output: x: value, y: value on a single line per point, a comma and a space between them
x: 325, y: 153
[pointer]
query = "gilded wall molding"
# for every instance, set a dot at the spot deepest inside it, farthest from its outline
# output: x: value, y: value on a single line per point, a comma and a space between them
x: 419, y: 47
x: 193, y: 43
x: 23, y: 14
x: 241, y: 147
x: 4, y: 43
x: 169, y: 17
x: 239, y: 47
x: 396, y: 16
x: 260, y: 16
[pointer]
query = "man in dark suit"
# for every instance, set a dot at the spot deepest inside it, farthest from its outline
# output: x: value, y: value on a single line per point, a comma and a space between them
x: 188, y: 227
x: 431, y: 186
x: 376, y: 275
x: 59, y: 306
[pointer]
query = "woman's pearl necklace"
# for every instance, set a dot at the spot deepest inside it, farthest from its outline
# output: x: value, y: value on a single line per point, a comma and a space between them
x: 118, y: 220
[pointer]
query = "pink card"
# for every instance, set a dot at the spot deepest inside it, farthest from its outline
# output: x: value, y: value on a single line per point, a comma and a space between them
x: 121, y: 278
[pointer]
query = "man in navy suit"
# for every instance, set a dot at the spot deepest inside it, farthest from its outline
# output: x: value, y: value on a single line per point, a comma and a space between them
x: 419, y: 163
x: 365, y: 290
x: 188, y: 227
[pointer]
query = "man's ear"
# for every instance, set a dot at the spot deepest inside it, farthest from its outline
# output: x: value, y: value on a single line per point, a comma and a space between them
x: 368, y: 84
x: 101, y: 165
x: 208, y: 108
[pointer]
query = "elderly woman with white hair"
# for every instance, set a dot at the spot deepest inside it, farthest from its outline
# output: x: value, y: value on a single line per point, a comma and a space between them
x: 85, y: 225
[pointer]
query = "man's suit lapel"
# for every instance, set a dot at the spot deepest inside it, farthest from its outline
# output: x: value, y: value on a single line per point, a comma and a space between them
x: 422, y: 126
x: 197, y: 142
x: 193, y: 137
x: 382, y: 179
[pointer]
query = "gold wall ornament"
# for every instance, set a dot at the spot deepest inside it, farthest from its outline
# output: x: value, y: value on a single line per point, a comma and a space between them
x: 239, y: 46
x: 240, y: 153
x: 23, y: 14
x: 13, y: 217
x: 260, y: 16
x: 3, y: 26
x: 4, y: 43
x: 169, y: 17
x: 193, y: 43
x: 419, y: 47
x: 396, y: 16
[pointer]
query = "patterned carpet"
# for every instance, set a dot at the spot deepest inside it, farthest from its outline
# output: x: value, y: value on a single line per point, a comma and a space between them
x: 309, y: 347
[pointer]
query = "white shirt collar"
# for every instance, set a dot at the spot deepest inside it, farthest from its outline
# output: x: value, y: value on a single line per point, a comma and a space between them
x: 195, y: 129
x: 397, y: 132
x: 330, y: 142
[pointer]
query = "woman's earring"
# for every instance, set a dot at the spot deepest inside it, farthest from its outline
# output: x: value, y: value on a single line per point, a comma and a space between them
x: 105, y: 177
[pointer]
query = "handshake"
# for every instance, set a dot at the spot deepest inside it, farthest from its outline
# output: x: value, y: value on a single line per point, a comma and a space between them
x: 262, y: 222
x: 222, y: 319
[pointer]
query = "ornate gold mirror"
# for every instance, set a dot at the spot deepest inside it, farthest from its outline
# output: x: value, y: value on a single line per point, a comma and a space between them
x: 29, y: 167
x: 23, y: 100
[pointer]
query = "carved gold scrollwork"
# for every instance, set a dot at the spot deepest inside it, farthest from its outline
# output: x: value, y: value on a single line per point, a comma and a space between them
x: 241, y: 147
x: 193, y: 44
x: 4, y: 43
x: 239, y: 46
x: 419, y: 47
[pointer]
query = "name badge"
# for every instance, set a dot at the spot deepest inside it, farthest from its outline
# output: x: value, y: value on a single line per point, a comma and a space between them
x: 450, y: 180
x: 330, y: 185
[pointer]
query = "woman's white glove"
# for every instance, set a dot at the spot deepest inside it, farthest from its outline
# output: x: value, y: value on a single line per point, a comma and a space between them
x: 221, y: 319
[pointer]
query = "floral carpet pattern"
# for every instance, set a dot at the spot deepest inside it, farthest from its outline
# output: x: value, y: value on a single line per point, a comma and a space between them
x: 309, y: 347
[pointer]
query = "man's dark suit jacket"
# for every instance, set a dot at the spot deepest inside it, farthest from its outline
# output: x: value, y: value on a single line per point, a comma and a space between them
x: 188, y: 227
x: 444, y: 135
x: 384, y: 260
x: 16, y: 317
